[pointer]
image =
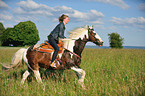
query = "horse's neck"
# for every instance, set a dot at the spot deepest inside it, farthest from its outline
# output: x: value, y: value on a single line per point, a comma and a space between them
x: 69, y: 44
x: 75, y: 46
x: 79, y: 46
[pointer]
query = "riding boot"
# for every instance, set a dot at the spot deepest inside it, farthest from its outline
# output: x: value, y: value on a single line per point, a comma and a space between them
x: 53, y: 64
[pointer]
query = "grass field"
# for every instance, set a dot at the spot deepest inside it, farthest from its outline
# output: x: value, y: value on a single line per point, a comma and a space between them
x: 109, y: 72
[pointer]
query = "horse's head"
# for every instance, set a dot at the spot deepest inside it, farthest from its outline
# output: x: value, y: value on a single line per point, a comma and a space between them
x: 84, y: 33
x: 94, y: 37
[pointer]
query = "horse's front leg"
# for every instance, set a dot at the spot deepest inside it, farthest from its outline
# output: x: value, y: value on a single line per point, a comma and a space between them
x: 38, y: 78
x: 37, y: 75
x: 81, y: 75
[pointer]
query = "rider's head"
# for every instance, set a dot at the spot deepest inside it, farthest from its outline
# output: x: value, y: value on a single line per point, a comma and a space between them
x: 64, y: 18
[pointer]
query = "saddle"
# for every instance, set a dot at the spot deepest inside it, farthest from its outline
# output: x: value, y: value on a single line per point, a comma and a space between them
x: 47, y: 48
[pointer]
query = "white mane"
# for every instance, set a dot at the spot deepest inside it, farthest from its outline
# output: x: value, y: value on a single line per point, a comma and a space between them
x: 78, y: 32
x: 74, y: 35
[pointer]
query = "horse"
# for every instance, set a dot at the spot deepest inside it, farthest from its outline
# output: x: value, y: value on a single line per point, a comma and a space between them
x: 70, y: 58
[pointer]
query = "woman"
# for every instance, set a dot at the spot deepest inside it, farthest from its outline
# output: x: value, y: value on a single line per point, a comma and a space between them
x: 58, y: 32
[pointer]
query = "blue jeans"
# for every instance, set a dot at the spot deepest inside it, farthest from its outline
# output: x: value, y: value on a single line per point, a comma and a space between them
x: 53, y: 43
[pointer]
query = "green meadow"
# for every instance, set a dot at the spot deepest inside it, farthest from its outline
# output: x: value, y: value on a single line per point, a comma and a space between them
x: 109, y: 72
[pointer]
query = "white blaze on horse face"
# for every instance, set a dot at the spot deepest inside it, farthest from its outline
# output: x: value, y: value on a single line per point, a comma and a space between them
x: 97, y: 36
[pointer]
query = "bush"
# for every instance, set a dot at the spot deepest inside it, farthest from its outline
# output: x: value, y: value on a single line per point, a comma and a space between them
x: 115, y: 40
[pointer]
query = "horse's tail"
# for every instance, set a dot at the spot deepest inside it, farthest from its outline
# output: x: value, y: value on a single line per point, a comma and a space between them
x: 16, y: 61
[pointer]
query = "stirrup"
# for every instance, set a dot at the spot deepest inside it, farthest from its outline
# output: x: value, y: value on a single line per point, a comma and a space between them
x: 53, y: 64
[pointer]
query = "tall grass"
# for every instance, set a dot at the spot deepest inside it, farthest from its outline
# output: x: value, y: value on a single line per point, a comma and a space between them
x: 108, y: 72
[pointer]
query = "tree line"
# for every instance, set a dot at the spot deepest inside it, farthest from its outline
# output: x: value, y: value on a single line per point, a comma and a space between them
x: 26, y: 33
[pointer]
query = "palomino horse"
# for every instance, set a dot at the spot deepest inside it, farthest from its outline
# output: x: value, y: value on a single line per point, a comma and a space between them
x: 71, y: 56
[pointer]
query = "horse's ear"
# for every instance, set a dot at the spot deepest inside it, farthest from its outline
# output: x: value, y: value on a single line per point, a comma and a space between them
x: 91, y: 27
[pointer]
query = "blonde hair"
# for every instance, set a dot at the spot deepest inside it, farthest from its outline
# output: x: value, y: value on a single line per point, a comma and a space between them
x: 62, y: 17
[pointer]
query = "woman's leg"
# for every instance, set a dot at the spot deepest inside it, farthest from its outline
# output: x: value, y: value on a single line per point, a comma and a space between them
x: 54, y: 45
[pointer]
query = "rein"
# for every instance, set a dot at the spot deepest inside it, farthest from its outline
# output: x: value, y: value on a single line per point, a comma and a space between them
x: 73, y: 53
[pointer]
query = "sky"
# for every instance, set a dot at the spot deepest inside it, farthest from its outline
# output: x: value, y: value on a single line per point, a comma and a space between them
x: 126, y: 17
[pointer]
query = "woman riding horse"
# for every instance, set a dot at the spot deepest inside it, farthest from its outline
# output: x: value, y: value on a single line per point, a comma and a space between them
x: 71, y: 56
x: 58, y: 32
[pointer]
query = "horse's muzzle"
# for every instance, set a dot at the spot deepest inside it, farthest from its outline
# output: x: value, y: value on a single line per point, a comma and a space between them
x: 101, y: 44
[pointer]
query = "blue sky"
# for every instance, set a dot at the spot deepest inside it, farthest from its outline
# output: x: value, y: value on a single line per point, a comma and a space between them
x: 126, y: 17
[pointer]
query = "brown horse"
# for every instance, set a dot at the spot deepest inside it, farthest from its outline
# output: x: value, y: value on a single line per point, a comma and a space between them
x: 70, y: 58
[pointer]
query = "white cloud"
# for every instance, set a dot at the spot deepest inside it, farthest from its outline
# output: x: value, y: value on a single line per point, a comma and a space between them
x: 99, y: 27
x: 119, y: 3
x: 29, y: 4
x: 97, y: 22
x: 30, y: 10
x: 5, y: 17
x: 126, y: 22
x: 3, y: 5
x: 99, y: 14
x: 30, y: 7
x: 26, y: 18
x: 113, y: 28
x: 89, y: 16
x: 116, y: 20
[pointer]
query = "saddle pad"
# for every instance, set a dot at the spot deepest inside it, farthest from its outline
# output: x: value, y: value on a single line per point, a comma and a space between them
x: 49, y: 50
x: 47, y: 45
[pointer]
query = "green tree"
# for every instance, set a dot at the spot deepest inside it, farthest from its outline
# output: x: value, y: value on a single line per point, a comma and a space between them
x: 2, y: 28
x: 5, y: 37
x: 115, y: 40
x: 25, y: 33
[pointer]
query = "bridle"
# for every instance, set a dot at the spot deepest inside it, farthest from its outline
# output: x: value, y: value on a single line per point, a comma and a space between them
x: 89, y: 32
